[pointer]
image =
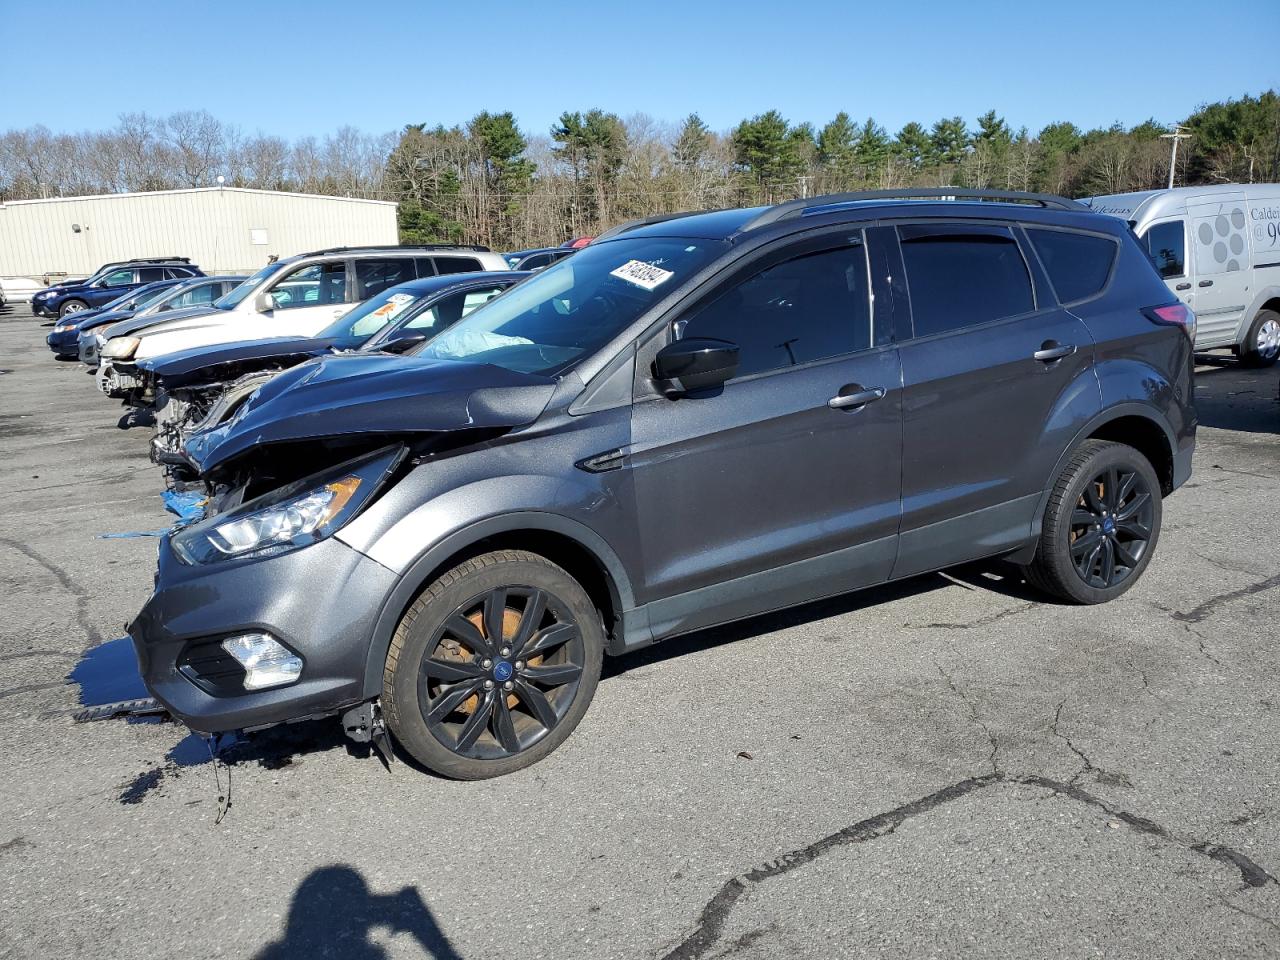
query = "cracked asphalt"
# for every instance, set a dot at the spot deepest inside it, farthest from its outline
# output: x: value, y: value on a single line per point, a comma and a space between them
x: 948, y: 766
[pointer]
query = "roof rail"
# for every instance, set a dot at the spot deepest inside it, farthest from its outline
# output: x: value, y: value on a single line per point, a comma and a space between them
x: 797, y: 208
x: 157, y: 260
x: 477, y: 247
x: 630, y: 225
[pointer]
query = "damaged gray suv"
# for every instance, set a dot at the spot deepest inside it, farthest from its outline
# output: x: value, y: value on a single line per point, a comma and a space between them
x: 694, y: 420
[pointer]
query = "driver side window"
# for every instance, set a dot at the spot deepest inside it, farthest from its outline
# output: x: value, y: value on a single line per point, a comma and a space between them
x: 313, y: 285
x: 118, y: 278
x: 808, y: 308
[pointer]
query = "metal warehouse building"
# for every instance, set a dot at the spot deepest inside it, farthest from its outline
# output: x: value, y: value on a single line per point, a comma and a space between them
x: 223, y: 229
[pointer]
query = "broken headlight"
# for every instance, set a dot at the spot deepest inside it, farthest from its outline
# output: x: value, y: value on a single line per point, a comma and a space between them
x: 120, y: 348
x: 295, y: 515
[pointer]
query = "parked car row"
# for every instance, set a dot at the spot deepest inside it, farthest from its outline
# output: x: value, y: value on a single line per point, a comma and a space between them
x: 437, y: 491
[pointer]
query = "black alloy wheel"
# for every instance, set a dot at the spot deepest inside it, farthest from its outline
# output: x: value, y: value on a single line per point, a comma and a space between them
x: 1111, y: 527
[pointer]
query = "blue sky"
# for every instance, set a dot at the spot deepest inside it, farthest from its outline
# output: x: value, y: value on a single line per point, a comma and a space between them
x: 298, y: 67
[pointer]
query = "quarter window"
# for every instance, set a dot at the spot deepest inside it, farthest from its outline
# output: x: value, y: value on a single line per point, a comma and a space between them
x: 374, y: 276
x: 960, y: 276
x: 456, y: 264
x: 1078, y: 263
x: 795, y: 312
x: 1167, y: 246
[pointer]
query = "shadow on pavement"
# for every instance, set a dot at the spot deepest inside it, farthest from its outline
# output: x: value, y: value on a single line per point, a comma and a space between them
x: 334, y: 912
x: 1233, y: 397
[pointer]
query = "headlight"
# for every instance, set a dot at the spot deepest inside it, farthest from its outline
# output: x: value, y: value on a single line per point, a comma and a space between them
x: 296, y: 515
x: 62, y: 328
x: 120, y: 348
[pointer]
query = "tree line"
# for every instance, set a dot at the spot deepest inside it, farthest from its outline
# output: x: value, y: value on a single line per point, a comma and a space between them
x: 490, y: 182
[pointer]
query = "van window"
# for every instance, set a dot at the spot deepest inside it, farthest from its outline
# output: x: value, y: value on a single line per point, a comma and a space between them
x: 456, y: 264
x: 1167, y: 246
x: 798, y: 311
x: 1078, y: 263
x: 959, y: 276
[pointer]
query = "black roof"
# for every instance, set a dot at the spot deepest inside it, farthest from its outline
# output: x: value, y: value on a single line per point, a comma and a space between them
x: 426, y: 285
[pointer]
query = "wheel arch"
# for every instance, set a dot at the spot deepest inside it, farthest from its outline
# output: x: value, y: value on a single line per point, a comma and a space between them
x: 583, y: 554
x: 1268, y: 298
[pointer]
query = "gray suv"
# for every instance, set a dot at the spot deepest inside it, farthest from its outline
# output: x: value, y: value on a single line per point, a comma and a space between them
x: 695, y: 419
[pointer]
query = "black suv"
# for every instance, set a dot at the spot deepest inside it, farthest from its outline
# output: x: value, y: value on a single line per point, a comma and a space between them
x: 108, y: 282
x: 691, y: 421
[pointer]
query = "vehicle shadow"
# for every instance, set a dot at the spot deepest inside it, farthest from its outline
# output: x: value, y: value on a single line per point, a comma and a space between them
x: 989, y: 575
x: 334, y: 912
x: 1230, y: 396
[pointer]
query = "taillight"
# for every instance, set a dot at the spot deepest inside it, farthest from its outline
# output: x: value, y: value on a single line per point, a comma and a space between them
x: 1174, y: 315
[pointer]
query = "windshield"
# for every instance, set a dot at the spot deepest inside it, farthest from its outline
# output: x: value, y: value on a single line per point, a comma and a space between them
x: 233, y: 299
x: 371, y: 316
x: 563, y: 314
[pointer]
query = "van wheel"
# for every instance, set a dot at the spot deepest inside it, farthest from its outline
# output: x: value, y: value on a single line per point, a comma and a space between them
x: 1261, y: 348
x: 72, y: 306
x: 493, y: 666
x: 1100, y: 527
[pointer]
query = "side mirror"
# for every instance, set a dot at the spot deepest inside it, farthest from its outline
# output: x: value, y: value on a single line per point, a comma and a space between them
x: 264, y: 302
x: 402, y: 340
x: 694, y: 364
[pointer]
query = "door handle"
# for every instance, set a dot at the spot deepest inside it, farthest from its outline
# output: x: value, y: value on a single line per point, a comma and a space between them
x: 1052, y: 350
x: 1206, y: 283
x: 1183, y: 286
x: 857, y: 397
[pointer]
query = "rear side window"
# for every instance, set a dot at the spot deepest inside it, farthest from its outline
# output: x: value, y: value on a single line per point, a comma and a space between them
x: 456, y: 264
x: 1078, y: 263
x: 960, y: 276
x: 798, y: 311
x: 374, y: 276
x: 1168, y: 248
x: 150, y: 274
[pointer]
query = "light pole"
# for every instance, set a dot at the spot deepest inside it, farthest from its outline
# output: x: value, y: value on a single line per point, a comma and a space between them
x: 1173, y: 156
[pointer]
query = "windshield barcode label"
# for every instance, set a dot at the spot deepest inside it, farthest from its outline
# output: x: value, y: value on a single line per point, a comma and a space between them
x: 642, y: 274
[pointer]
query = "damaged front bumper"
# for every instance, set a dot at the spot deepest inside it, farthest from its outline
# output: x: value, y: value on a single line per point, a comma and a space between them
x: 321, y: 602
x: 117, y: 378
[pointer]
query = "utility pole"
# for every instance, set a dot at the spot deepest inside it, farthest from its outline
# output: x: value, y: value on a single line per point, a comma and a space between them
x: 1173, y: 157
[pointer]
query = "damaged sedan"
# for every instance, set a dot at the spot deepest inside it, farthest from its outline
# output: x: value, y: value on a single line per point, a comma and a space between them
x: 199, y: 388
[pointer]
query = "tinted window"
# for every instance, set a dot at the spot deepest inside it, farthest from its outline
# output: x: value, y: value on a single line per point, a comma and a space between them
x: 456, y: 264
x: 179, y: 273
x: 1078, y: 264
x: 425, y: 267
x: 959, y: 276
x: 314, y: 285
x: 536, y: 261
x: 196, y: 296
x: 151, y: 274
x: 1165, y: 244
x: 798, y: 311
x: 374, y: 276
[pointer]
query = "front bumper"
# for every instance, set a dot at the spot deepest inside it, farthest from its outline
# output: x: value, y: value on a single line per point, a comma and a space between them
x: 65, y: 344
x: 320, y: 601
x: 116, y: 378
x: 41, y: 309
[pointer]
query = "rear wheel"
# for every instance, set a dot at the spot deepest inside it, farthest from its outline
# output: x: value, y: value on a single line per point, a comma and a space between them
x: 493, y: 666
x: 72, y: 306
x: 1261, y: 347
x: 1101, y: 525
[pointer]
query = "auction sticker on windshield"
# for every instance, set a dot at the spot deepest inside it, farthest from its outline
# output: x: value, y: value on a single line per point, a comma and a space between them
x: 642, y: 274
x: 395, y: 303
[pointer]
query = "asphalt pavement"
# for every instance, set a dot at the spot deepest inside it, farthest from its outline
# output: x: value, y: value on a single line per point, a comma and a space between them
x: 949, y: 766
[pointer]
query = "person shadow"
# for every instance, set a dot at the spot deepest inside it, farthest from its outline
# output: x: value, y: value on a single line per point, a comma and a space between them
x: 334, y: 912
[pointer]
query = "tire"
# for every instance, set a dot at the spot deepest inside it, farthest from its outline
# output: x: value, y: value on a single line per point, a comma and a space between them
x: 71, y: 306
x: 1084, y: 525
x: 1261, y: 347
x: 441, y: 660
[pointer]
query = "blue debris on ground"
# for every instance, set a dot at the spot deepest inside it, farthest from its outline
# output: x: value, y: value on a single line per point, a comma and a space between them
x: 186, y: 506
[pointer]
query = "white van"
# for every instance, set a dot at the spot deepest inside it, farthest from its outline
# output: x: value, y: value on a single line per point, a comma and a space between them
x: 1218, y: 249
x: 295, y: 297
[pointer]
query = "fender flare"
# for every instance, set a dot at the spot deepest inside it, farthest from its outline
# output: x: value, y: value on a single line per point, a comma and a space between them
x: 415, y: 575
x: 1126, y: 409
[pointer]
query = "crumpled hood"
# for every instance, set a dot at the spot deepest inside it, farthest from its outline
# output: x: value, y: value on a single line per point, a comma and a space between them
x: 128, y: 328
x: 379, y: 393
x: 184, y: 366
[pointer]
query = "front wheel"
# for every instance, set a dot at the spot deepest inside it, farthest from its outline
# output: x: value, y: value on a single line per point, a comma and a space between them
x: 493, y: 666
x: 72, y: 306
x: 1261, y: 347
x: 1100, y: 527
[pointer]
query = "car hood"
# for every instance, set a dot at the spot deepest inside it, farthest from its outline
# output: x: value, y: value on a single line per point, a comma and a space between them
x: 181, y: 364
x: 96, y: 318
x: 174, y: 318
x: 350, y: 394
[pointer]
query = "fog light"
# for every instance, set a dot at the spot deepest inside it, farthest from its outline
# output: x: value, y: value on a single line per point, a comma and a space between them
x: 266, y: 663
